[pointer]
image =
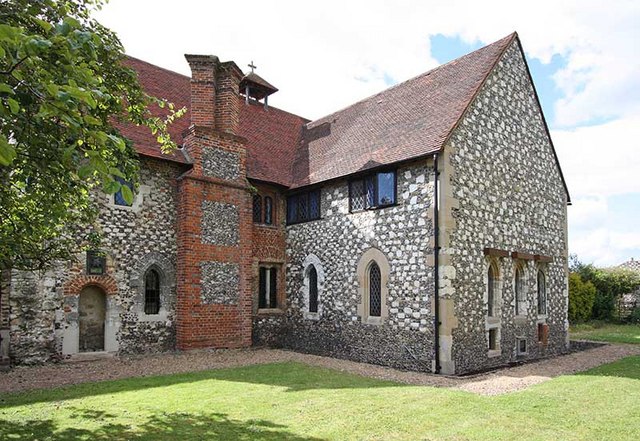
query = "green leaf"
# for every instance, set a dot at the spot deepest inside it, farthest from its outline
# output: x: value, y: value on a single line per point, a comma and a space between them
x: 112, y: 187
x: 6, y: 89
x: 13, y: 105
x: 127, y: 194
x: 7, y: 151
x: 91, y: 120
x: 116, y: 172
x: 43, y: 24
x: 85, y: 170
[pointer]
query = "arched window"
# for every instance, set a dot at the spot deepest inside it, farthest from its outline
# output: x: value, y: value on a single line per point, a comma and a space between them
x: 151, y: 292
x: 268, y: 210
x: 491, y: 291
x: 542, y: 293
x: 375, y: 298
x: 257, y: 209
x: 519, y: 291
x: 313, y: 289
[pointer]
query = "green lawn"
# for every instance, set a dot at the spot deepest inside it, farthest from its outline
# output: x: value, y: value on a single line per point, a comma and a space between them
x: 290, y: 401
x: 601, y: 331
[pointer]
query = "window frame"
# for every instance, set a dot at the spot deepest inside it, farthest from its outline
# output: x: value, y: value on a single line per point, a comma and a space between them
x: 307, y: 195
x: 157, y: 289
x: 520, y: 301
x: 257, y: 209
x: 544, y: 293
x: 374, y: 178
x: 271, y: 288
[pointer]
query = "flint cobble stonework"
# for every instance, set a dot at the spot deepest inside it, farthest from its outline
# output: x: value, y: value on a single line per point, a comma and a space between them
x: 220, y: 282
x: 220, y: 223
x: 339, y: 239
x: 509, y: 197
x: 42, y: 313
x: 222, y: 164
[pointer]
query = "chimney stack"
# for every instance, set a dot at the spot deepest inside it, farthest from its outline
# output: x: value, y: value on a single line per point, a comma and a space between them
x: 214, y: 93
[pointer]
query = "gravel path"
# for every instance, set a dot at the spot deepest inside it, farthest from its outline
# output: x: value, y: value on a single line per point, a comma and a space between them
x: 493, y: 383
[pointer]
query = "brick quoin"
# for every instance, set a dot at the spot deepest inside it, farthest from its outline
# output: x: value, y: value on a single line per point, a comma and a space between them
x: 215, y: 120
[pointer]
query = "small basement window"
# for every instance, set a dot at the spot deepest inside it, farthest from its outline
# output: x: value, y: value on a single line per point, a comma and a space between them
x: 493, y: 339
x: 522, y: 346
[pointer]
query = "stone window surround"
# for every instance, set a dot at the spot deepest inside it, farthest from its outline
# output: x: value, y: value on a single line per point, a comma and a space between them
x: 138, y: 199
x: 524, y: 304
x: 280, y: 300
x: 542, y: 268
x: 495, y: 321
x: 165, y: 270
x: 310, y: 260
x: 362, y: 272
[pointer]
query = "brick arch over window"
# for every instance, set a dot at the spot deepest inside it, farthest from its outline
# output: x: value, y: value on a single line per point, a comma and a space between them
x: 373, y: 255
x: 165, y: 269
x: 312, y: 261
x: 107, y: 283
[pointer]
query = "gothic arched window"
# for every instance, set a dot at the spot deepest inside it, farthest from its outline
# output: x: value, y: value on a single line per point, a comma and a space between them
x: 519, y: 292
x: 375, y: 298
x: 313, y: 289
x: 151, y: 292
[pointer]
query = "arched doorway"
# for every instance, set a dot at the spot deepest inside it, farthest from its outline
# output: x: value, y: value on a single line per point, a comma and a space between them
x: 91, y: 315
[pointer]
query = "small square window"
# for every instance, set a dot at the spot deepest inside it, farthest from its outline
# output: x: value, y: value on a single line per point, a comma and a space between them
x: 96, y: 263
x: 493, y: 339
x: 522, y: 346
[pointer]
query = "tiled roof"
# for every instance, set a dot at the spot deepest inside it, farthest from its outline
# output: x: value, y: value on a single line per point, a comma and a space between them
x: 409, y: 120
x: 632, y: 264
x: 273, y: 134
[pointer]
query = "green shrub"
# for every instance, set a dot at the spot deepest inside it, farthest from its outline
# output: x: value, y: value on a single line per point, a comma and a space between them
x: 581, y: 298
x: 634, y: 317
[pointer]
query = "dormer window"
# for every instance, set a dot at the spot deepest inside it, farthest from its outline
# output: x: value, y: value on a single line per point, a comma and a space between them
x: 374, y: 191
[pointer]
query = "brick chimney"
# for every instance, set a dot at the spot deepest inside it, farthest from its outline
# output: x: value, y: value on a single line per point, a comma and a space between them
x: 215, y: 93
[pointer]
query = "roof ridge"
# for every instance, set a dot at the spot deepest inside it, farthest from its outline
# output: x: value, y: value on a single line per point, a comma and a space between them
x: 156, y: 66
x: 424, y: 74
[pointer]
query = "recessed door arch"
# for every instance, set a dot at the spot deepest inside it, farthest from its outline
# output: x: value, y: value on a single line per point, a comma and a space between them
x: 92, y: 308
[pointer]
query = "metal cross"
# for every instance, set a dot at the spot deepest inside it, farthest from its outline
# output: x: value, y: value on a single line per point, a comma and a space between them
x: 252, y: 66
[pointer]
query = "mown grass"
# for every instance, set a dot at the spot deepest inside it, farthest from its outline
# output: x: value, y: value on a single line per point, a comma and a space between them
x: 602, y: 331
x: 290, y: 401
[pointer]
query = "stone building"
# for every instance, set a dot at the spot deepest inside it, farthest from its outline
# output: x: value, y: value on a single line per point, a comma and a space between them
x: 422, y: 228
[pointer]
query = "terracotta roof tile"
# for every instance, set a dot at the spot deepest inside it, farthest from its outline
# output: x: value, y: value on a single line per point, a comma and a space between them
x: 409, y: 120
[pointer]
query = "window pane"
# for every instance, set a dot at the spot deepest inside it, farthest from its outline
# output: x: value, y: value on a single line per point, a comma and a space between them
x: 268, y: 210
x: 302, y: 211
x: 273, y: 288
x: 371, y: 192
x: 375, y: 302
x: 262, y: 288
x: 151, y: 292
x: 519, y: 288
x: 357, y: 196
x: 542, y: 293
x: 314, y: 205
x: 292, y: 202
x: 257, y: 209
x: 386, y: 188
x: 490, y: 292
x: 313, y: 289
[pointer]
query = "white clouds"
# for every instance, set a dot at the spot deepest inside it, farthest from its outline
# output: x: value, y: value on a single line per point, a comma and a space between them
x: 601, y: 160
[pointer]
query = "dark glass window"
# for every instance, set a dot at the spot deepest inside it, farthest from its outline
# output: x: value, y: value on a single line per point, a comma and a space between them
x: 268, y: 210
x: 151, y: 292
x: 493, y: 339
x: 257, y: 209
x: 96, y: 262
x: 519, y: 288
x: 375, y: 294
x: 375, y: 191
x: 303, y: 207
x: 542, y: 293
x: 118, y: 199
x: 313, y: 289
x: 491, y: 286
x: 268, y: 287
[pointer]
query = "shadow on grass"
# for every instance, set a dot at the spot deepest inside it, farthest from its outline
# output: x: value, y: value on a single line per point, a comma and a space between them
x: 291, y: 376
x: 175, y: 426
x: 628, y: 367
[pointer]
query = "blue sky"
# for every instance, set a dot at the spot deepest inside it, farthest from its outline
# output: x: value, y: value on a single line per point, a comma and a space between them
x: 584, y: 58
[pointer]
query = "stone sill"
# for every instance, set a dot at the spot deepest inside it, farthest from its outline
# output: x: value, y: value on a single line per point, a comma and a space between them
x: 266, y: 226
x: 494, y: 353
x: 521, y: 320
x: 270, y: 311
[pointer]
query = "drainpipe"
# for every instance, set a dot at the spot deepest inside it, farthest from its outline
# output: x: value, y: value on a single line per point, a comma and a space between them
x: 436, y: 255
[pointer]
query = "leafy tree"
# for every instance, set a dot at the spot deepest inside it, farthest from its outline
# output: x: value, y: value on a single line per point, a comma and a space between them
x: 581, y: 298
x: 63, y: 89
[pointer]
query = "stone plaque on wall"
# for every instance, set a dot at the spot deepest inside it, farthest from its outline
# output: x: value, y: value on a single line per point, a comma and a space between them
x: 220, y: 282
x: 222, y: 164
x: 220, y: 223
